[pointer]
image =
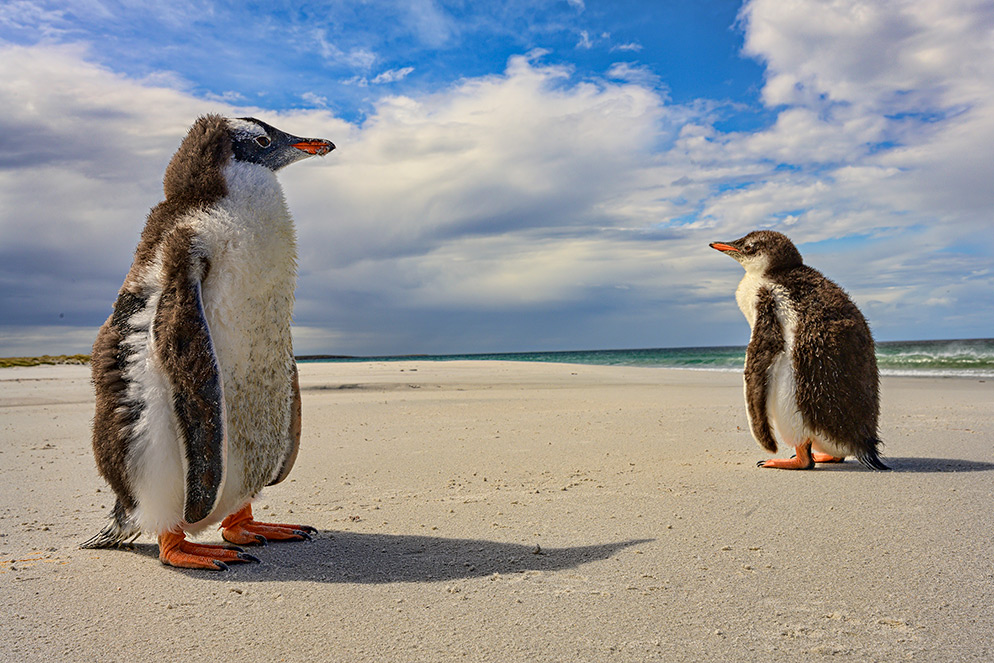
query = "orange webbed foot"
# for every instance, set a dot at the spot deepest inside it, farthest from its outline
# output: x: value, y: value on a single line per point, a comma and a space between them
x: 827, y: 458
x: 175, y: 550
x: 785, y: 464
x: 242, y: 529
x: 802, y: 460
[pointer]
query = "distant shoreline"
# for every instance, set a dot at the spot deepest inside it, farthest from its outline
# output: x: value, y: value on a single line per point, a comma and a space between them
x: 937, y: 358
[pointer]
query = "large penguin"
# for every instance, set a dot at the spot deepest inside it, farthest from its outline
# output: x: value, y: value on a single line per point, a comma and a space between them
x: 197, y: 399
x: 810, y: 372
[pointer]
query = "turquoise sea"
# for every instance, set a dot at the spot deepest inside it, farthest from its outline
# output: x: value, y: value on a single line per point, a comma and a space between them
x: 958, y: 358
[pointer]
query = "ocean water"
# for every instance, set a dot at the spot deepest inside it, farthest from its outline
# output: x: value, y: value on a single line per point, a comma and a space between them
x: 957, y: 358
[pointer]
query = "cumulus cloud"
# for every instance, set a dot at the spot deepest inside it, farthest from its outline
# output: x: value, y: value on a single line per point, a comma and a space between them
x: 533, y: 209
x: 881, y: 109
x: 494, y: 155
x: 894, y: 91
x: 83, y: 157
x: 84, y: 151
x: 896, y: 55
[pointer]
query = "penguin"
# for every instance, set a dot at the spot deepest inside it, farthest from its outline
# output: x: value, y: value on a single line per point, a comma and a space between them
x: 197, y: 396
x: 810, y: 370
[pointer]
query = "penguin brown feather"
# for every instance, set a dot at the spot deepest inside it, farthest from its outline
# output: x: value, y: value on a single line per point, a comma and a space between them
x: 811, y: 373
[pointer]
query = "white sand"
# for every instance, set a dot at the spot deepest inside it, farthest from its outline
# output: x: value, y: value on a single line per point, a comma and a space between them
x: 434, y: 485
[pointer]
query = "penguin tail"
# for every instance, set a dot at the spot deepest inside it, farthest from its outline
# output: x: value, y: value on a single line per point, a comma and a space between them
x: 869, y: 456
x: 118, y: 532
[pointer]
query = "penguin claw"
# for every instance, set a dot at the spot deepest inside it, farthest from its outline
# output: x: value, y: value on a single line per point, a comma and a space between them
x: 245, y: 557
x: 175, y: 550
x: 241, y: 528
x: 786, y: 464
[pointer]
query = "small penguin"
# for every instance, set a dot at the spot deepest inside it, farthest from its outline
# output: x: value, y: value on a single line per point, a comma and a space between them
x: 197, y: 398
x: 810, y: 371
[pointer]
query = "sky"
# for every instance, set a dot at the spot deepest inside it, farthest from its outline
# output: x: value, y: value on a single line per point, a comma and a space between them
x: 522, y: 176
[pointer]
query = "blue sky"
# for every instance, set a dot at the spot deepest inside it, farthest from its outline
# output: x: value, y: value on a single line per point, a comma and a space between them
x: 516, y: 176
x: 344, y: 55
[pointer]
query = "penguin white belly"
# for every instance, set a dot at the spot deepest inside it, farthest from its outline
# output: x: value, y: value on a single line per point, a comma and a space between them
x: 248, y: 303
x: 781, y: 402
x: 786, y: 417
x: 781, y: 397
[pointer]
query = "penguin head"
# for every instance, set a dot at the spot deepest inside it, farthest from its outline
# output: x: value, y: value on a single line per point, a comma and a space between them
x: 762, y: 251
x: 254, y: 141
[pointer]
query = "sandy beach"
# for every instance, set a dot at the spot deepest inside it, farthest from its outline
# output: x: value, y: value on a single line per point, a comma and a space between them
x: 500, y: 511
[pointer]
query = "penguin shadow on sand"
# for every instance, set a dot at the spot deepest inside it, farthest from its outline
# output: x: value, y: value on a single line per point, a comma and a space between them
x: 351, y: 557
x: 913, y: 464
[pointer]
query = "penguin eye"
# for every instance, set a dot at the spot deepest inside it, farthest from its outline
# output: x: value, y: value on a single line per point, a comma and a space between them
x: 263, y: 141
x: 748, y: 248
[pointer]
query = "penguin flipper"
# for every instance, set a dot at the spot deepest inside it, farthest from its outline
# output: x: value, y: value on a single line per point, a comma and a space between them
x: 294, y: 446
x: 185, y: 350
x: 765, y: 344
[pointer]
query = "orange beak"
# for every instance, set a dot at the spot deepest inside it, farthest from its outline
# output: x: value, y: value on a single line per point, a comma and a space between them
x: 315, y: 146
x: 723, y: 247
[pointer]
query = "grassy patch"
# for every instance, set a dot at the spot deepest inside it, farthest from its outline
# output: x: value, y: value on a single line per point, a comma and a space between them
x: 7, y: 362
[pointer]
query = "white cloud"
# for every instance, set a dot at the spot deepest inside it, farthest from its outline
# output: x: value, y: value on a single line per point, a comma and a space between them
x: 388, y: 76
x: 634, y: 73
x: 584, y: 42
x: 528, y: 209
x: 892, y: 86
x: 393, y: 75
x: 81, y: 145
x: 884, y: 54
x: 493, y: 155
x: 357, y: 58
x: 24, y: 16
x: 360, y: 58
x: 432, y: 25
x: 315, y: 99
